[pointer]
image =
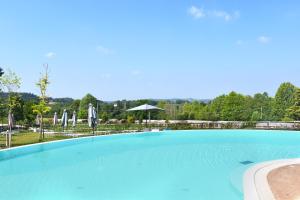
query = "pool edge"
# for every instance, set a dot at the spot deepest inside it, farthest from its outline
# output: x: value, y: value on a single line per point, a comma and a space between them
x: 255, y: 183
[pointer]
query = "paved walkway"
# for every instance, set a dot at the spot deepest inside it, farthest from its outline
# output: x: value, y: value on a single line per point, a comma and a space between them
x: 285, y: 182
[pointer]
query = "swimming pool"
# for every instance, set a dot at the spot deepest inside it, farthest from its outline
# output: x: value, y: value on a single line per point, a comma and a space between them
x: 175, y: 165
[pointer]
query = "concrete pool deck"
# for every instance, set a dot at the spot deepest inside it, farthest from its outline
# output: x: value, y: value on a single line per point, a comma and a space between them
x: 273, y: 180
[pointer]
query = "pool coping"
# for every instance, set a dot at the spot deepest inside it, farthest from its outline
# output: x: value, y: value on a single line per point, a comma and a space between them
x: 70, y: 139
x: 256, y: 185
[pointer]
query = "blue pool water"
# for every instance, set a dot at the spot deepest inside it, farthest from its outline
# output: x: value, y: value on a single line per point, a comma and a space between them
x: 171, y: 165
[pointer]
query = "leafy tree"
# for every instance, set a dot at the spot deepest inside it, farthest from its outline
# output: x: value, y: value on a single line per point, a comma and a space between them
x: 236, y: 107
x: 214, y: 108
x: 284, y: 99
x: 3, y: 110
x: 294, y: 111
x: 42, y: 108
x: 256, y: 116
x: 2, y: 106
x: 11, y: 83
x: 262, y: 104
x: 84, y: 104
x: 130, y: 119
x: 18, y: 109
x: 29, y: 116
x: 104, y: 117
x: 74, y: 105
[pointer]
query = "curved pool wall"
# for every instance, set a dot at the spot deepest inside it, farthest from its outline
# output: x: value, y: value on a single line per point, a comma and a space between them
x: 175, y: 165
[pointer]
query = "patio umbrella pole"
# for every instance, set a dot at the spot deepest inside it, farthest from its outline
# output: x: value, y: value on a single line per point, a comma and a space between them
x: 146, y: 121
x: 149, y: 117
x: 9, y: 137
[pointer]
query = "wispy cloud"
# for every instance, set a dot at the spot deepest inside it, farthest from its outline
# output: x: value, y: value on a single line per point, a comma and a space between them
x: 264, y: 39
x: 198, y: 13
x: 50, y: 55
x: 103, y: 50
x: 225, y: 15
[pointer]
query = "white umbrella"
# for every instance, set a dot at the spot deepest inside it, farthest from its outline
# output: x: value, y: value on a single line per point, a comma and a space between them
x: 74, y: 119
x: 64, y: 119
x: 92, y: 117
x: 10, y: 127
x: 145, y: 107
x: 55, y: 119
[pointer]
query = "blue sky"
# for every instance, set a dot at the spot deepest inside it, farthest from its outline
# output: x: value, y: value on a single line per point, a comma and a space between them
x: 132, y: 49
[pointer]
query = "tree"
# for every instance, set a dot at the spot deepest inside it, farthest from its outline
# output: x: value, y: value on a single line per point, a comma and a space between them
x: 262, y: 104
x: 42, y: 108
x: 74, y: 105
x: 294, y: 111
x: 130, y: 119
x: 215, y: 107
x: 284, y: 99
x: 236, y: 107
x: 11, y: 83
x: 84, y: 104
x: 18, y: 109
x: 256, y: 116
x: 28, y: 113
x: 104, y: 117
x: 2, y: 106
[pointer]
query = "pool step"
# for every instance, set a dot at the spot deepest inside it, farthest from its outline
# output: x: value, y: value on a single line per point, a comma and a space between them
x: 236, y: 177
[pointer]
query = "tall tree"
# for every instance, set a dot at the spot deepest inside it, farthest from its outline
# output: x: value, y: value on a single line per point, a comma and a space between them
x: 294, y: 111
x: 215, y: 107
x: 262, y: 104
x: 284, y: 99
x: 18, y: 110
x: 84, y: 104
x: 42, y: 108
x: 28, y: 113
x: 11, y: 82
x: 236, y: 107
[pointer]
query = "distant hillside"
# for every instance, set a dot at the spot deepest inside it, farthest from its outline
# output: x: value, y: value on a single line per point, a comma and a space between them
x: 183, y: 100
x: 61, y: 100
x: 32, y: 97
x: 24, y: 95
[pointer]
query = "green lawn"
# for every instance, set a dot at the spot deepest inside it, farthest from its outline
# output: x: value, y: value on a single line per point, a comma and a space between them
x: 26, y: 137
x: 29, y: 138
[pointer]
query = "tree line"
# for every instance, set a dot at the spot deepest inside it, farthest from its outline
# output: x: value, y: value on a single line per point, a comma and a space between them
x: 284, y: 106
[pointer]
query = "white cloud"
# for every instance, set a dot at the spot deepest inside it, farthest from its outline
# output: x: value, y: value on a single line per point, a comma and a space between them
x: 225, y: 15
x: 264, y: 39
x: 105, y: 51
x: 198, y: 13
x: 50, y: 55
